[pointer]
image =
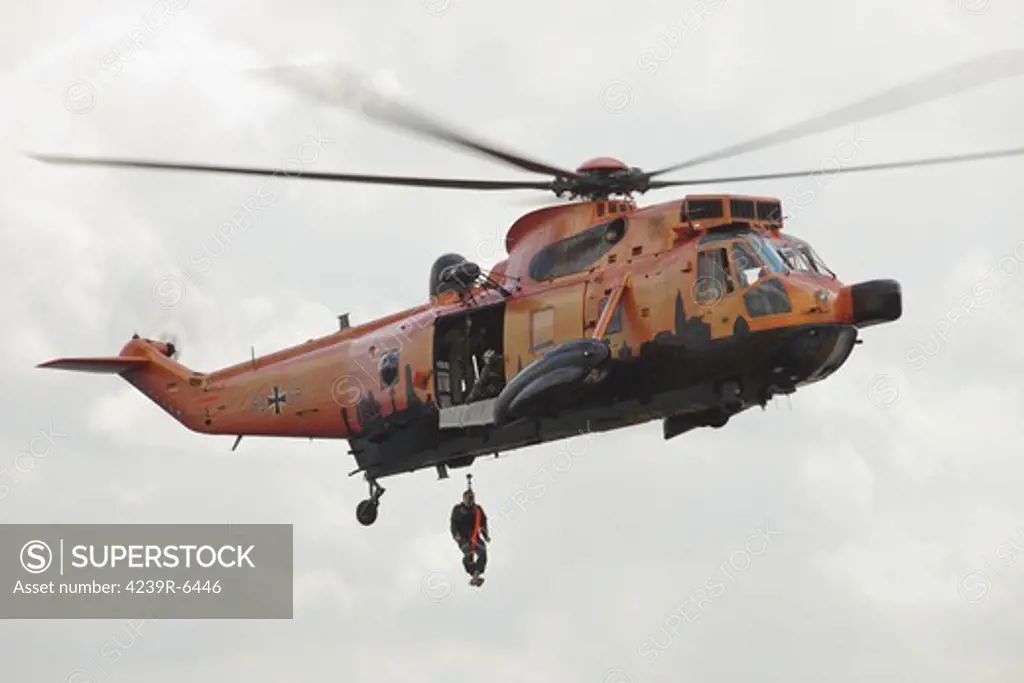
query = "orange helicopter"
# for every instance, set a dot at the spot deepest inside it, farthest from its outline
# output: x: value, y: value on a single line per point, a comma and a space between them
x: 604, y: 315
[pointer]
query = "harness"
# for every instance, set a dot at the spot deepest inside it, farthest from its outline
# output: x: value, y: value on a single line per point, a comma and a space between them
x: 476, y: 527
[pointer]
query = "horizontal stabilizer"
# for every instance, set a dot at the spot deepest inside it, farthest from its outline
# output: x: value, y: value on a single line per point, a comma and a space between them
x: 107, y: 366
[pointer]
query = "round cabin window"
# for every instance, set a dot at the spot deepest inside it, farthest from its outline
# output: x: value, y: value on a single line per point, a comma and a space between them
x: 388, y: 367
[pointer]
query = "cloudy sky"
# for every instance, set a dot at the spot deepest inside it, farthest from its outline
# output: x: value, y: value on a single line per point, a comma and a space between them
x: 863, y: 531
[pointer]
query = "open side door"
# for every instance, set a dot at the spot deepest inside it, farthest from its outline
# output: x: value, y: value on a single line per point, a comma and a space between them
x: 460, y: 342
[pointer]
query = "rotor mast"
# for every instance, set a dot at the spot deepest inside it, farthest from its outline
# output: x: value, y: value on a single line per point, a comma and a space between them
x: 601, y: 178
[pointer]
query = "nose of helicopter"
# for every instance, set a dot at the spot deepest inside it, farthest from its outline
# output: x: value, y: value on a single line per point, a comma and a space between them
x: 871, y: 303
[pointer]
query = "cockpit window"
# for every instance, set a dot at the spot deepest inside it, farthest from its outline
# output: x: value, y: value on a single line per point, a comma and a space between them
x: 713, y: 279
x: 749, y: 268
x: 796, y: 259
x: 756, y: 259
x: 800, y: 256
x: 815, y: 260
x: 769, y: 255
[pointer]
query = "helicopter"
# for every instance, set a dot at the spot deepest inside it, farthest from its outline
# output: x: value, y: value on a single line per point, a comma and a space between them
x: 605, y: 313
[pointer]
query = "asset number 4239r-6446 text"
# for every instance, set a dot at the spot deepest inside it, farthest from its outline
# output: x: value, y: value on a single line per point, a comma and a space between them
x: 172, y: 587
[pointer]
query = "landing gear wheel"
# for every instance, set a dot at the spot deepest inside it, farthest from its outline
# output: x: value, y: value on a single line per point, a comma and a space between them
x: 366, y: 512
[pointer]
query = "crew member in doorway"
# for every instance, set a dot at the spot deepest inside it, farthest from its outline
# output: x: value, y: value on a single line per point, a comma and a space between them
x: 491, y: 379
x: 469, y: 529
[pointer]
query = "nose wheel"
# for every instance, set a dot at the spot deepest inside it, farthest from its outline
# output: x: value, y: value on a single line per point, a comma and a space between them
x: 366, y: 511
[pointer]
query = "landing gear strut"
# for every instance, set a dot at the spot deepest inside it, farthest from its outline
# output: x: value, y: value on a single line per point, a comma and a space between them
x: 366, y: 511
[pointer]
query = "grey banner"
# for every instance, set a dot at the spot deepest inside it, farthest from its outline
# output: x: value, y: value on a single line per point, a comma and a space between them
x: 146, y: 571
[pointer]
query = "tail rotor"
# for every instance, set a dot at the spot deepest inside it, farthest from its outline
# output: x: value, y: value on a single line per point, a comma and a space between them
x: 171, y: 339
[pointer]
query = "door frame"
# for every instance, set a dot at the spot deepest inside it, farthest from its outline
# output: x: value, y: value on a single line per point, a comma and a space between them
x: 720, y: 311
x: 445, y: 326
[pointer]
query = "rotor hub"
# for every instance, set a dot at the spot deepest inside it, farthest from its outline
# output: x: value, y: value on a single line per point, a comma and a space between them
x: 600, y: 164
x: 600, y: 178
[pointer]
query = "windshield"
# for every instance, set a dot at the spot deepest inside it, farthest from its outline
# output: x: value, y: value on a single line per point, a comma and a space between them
x: 755, y: 260
x: 768, y: 253
x: 815, y: 260
x: 796, y: 259
x: 801, y: 257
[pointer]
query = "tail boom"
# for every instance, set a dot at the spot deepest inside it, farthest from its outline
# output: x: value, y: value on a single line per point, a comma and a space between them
x: 275, y: 400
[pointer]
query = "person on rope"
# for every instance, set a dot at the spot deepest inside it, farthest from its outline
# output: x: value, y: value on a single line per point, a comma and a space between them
x: 469, y: 529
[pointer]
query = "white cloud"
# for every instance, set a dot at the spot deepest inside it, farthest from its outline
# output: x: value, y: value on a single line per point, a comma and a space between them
x: 840, y: 480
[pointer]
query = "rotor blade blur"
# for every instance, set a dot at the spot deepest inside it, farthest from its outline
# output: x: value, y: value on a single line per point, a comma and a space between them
x: 935, y: 161
x: 938, y: 85
x: 341, y: 88
x: 450, y: 183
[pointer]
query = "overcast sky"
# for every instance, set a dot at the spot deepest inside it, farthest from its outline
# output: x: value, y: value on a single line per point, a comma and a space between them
x: 838, y: 536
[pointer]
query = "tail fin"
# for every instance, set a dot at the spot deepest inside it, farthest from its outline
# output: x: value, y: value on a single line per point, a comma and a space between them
x: 149, y: 367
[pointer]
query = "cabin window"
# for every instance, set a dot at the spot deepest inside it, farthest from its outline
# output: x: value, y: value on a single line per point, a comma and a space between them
x: 542, y: 328
x: 388, y: 367
x: 615, y: 324
x: 713, y: 279
x: 578, y: 252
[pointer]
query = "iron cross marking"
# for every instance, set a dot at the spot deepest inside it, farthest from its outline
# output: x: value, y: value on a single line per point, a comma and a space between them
x: 276, y: 398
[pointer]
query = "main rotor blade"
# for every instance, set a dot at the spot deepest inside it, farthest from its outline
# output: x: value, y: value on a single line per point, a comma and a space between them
x: 935, y: 161
x: 941, y: 84
x: 340, y: 88
x: 451, y: 183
